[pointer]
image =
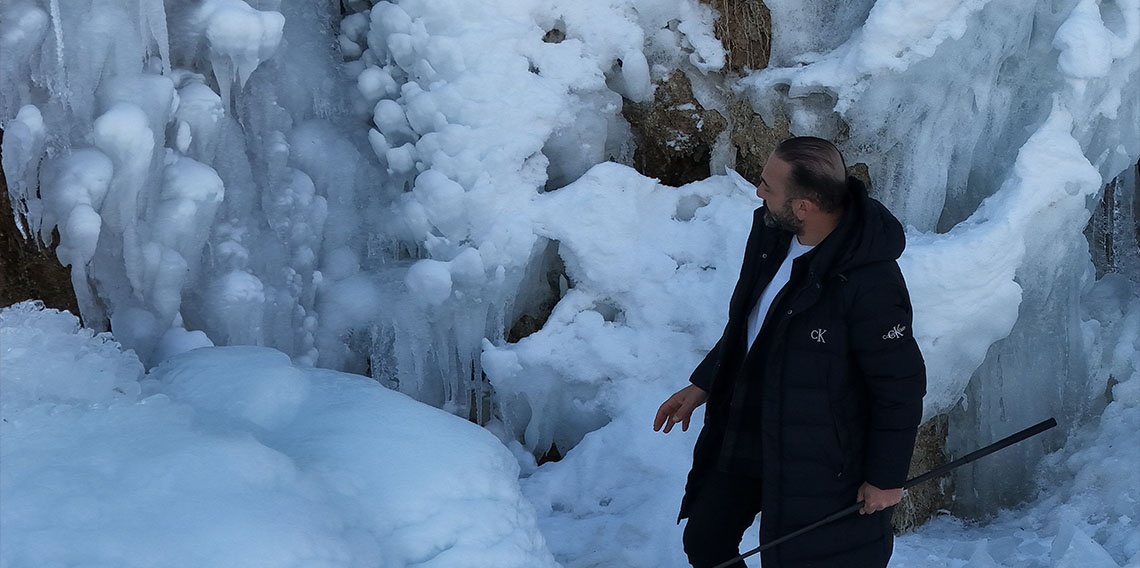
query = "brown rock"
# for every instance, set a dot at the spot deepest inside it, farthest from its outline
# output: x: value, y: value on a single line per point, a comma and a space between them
x: 754, y: 139
x: 745, y: 29
x: 924, y: 501
x: 674, y: 134
x: 29, y: 271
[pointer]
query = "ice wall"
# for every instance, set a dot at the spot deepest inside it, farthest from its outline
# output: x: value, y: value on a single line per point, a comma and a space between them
x: 357, y: 190
x: 477, y: 111
x: 128, y: 139
x: 989, y: 128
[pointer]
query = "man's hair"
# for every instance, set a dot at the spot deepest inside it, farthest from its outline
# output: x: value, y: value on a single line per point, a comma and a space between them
x: 818, y: 171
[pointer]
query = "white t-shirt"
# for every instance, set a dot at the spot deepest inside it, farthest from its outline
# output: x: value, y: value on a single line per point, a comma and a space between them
x: 764, y: 304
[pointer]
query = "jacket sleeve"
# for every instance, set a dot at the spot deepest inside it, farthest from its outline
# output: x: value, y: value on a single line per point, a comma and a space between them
x: 705, y: 372
x: 889, y: 360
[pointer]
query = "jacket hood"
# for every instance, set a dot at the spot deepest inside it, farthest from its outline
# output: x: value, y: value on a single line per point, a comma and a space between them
x: 867, y: 233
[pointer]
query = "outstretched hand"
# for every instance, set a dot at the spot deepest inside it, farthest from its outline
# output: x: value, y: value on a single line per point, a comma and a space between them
x: 875, y: 499
x: 679, y: 408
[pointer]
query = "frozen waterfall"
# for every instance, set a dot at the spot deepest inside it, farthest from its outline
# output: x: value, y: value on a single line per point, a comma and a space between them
x: 431, y: 192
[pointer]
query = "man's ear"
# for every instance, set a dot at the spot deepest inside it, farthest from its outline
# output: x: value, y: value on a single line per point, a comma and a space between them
x: 803, y: 207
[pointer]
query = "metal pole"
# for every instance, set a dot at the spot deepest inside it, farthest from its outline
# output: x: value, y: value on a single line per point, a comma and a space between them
x: 939, y: 471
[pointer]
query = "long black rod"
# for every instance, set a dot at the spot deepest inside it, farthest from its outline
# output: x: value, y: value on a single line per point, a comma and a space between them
x: 936, y: 472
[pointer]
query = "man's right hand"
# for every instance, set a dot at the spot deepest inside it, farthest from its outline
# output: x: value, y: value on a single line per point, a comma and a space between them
x: 679, y: 408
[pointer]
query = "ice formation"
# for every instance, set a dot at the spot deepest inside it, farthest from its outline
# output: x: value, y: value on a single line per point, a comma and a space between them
x: 226, y: 180
x: 392, y: 191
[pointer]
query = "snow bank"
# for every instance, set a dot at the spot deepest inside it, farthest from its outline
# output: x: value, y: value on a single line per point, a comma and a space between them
x: 613, y: 498
x: 236, y: 457
x: 639, y: 256
x: 27, y: 332
x: 233, y: 456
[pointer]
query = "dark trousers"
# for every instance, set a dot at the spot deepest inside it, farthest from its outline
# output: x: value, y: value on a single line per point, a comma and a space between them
x: 723, y: 508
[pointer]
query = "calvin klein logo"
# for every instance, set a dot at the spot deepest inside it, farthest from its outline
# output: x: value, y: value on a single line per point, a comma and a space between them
x: 817, y: 335
x: 896, y: 332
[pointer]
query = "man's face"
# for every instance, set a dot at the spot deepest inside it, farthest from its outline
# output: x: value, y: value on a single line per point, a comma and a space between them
x: 773, y: 189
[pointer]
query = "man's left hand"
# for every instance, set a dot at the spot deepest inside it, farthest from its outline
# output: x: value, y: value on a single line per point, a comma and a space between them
x: 875, y: 499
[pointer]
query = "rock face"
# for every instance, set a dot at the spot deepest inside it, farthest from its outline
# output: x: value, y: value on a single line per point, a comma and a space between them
x: 753, y: 139
x: 27, y: 270
x: 674, y: 135
x: 1113, y: 231
x: 745, y: 29
x: 922, y: 502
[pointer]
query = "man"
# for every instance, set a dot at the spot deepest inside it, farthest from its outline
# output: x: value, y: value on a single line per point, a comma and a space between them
x: 815, y: 389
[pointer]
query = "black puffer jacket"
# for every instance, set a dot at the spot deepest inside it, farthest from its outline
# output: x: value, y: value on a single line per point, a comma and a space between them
x: 829, y: 396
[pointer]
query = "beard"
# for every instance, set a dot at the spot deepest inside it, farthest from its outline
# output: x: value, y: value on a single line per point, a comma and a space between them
x: 784, y: 219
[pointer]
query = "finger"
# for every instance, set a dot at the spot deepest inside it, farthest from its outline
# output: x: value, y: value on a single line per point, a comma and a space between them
x: 669, y: 424
x: 685, y: 423
x: 662, y: 413
x: 684, y: 411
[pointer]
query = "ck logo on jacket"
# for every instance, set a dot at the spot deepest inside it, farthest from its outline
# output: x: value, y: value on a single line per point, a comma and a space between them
x: 896, y: 332
x: 817, y: 335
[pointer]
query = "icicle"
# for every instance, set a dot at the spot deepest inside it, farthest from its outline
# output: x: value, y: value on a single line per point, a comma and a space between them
x: 62, y: 89
x: 152, y: 21
x: 22, y: 149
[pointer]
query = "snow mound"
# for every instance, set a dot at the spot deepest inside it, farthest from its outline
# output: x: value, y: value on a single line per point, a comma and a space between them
x: 236, y: 457
x: 627, y: 325
x: 614, y: 498
x: 28, y: 377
